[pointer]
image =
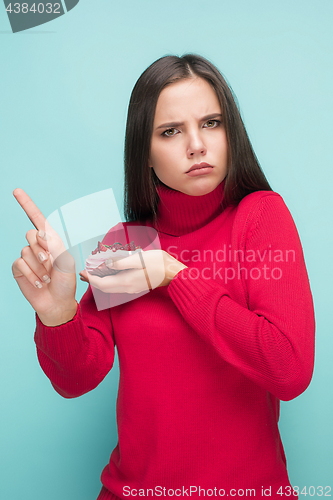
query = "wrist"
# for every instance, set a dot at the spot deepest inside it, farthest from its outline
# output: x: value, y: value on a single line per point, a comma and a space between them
x: 173, y: 270
x: 60, y: 317
x: 180, y: 268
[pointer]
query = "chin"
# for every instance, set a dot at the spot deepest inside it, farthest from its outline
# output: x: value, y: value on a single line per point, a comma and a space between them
x: 201, y: 188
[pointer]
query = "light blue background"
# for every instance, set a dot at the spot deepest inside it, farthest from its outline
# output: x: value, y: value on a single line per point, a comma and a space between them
x: 64, y: 91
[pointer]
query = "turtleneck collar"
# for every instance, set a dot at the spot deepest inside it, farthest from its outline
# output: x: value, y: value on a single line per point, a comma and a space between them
x: 180, y: 213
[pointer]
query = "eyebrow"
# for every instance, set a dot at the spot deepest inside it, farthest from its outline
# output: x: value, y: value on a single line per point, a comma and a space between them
x: 179, y: 124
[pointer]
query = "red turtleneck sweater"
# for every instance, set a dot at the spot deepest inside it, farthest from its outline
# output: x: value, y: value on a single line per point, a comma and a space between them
x: 204, y: 361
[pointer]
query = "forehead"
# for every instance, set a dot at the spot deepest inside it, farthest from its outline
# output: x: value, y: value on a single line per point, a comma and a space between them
x: 195, y: 96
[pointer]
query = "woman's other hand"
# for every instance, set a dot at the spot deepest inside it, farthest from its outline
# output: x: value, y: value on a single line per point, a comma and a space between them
x: 45, y: 272
x: 140, y: 271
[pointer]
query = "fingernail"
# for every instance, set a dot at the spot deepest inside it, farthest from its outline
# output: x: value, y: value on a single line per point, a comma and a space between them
x: 46, y: 278
x: 109, y: 263
x: 38, y: 284
x: 43, y: 235
x: 41, y: 257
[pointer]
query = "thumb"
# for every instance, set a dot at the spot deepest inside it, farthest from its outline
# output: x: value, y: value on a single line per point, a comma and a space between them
x: 61, y: 259
x: 43, y: 238
x: 134, y: 261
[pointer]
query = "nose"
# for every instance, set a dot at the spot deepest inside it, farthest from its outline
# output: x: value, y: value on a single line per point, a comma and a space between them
x: 195, y: 146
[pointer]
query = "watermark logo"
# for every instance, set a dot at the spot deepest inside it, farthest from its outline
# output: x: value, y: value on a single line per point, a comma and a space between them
x: 26, y: 15
x: 81, y: 239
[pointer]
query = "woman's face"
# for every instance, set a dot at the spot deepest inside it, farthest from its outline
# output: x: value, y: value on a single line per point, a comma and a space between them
x: 188, y: 130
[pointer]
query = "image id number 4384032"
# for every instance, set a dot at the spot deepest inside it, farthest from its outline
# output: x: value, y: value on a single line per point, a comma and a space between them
x: 35, y: 8
x: 311, y: 491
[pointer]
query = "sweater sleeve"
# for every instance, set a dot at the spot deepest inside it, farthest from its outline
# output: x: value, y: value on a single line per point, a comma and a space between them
x: 271, y: 341
x: 77, y: 355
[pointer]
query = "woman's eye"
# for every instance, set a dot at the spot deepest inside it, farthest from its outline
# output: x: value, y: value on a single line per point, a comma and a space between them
x: 213, y: 123
x: 167, y: 132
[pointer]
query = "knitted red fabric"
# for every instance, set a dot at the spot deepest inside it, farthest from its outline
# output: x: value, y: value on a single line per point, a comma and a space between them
x: 204, y: 361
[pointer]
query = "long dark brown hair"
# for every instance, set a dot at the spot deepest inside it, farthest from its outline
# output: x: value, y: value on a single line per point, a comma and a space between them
x: 244, y: 172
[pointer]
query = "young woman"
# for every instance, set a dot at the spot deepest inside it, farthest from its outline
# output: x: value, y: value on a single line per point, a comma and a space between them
x: 216, y: 327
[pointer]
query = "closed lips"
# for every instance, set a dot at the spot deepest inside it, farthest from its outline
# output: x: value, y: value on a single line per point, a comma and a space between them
x: 199, y: 165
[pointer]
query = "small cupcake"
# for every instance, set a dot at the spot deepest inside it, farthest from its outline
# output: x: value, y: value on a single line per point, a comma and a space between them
x: 97, y: 261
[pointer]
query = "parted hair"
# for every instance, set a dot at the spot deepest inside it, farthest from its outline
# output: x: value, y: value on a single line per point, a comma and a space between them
x: 244, y: 174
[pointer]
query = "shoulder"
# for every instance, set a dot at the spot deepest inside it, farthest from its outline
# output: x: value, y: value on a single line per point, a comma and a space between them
x: 253, y: 202
x: 259, y: 202
x: 263, y: 210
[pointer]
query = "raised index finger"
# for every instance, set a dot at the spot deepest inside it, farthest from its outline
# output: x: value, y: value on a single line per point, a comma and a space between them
x: 34, y: 214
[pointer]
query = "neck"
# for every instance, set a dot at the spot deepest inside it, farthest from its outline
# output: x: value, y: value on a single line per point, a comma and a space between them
x: 180, y: 213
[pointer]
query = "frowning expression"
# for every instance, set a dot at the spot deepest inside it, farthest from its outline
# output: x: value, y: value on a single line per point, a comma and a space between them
x: 188, y: 132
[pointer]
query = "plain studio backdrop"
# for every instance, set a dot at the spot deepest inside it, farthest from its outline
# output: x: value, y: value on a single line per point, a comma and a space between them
x: 65, y: 87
